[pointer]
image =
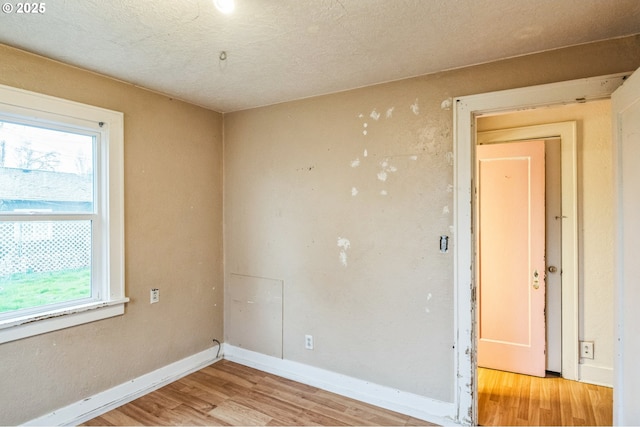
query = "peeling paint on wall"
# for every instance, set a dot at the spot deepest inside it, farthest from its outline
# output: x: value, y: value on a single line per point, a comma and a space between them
x: 445, y: 210
x: 389, y: 112
x: 449, y: 156
x: 415, y: 108
x: 386, y: 168
x: 446, y: 104
x: 344, y: 245
x: 426, y: 309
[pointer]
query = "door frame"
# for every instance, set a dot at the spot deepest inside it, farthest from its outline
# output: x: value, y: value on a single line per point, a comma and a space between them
x: 567, y: 132
x: 466, y: 110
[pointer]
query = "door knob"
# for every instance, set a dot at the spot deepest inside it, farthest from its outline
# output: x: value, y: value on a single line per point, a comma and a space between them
x: 553, y: 269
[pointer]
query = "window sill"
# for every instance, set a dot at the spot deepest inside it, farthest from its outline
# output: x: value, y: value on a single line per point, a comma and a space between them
x: 27, y: 326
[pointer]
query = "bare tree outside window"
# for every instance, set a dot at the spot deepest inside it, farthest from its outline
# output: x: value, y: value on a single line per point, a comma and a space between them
x: 28, y: 158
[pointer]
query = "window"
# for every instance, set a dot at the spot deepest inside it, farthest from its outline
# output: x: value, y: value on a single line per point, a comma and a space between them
x: 61, y: 214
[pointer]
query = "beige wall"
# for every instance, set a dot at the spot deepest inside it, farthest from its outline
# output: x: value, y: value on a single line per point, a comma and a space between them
x: 595, y: 220
x: 290, y: 170
x: 173, y: 226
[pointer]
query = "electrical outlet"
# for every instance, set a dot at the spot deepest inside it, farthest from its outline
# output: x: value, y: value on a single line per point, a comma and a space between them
x: 586, y: 349
x: 308, y: 342
x: 155, y: 295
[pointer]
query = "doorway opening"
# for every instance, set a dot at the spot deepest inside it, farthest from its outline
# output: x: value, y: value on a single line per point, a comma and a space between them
x: 561, y: 250
x: 467, y: 111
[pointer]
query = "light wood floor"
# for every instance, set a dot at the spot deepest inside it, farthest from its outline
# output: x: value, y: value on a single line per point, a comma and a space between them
x: 511, y: 399
x: 226, y: 393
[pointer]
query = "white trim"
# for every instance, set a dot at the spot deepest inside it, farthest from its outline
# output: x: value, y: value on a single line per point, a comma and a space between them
x: 107, y: 244
x: 596, y: 375
x: 626, y: 390
x: 18, y: 328
x: 91, y: 407
x: 465, y: 112
x: 424, y: 408
x: 569, y: 165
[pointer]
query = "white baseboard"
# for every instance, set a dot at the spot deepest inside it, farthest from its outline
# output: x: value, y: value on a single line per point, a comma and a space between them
x: 596, y: 375
x: 421, y: 407
x: 98, y: 404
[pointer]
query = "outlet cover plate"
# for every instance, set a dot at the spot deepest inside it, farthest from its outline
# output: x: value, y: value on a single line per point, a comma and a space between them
x: 586, y: 349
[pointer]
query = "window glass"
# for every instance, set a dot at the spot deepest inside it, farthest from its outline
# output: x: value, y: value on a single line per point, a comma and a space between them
x: 44, y: 263
x: 45, y: 170
x: 45, y: 173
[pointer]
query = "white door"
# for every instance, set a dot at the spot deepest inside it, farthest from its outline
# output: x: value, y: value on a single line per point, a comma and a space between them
x: 626, y: 131
x: 511, y: 266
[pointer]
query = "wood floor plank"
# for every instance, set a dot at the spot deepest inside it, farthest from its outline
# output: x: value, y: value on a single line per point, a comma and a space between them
x: 505, y: 398
x: 118, y: 418
x: 219, y: 383
x: 98, y: 421
x: 286, y: 393
x: 535, y: 400
x: 555, y: 403
x: 156, y: 403
x: 131, y: 410
x: 363, y: 410
x: 227, y: 393
x: 234, y: 378
x: 603, y: 410
x: 523, y: 392
x: 182, y: 391
x: 418, y: 422
x: 207, y: 384
x: 192, y: 397
x: 312, y: 417
x: 235, y: 413
x: 289, y: 413
x: 192, y: 416
x: 344, y: 417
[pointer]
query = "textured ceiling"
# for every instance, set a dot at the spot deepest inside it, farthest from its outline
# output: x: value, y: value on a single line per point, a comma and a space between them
x: 280, y: 50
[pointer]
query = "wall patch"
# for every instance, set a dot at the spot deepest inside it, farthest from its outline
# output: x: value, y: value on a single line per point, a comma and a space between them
x: 389, y: 112
x: 344, y: 244
x: 415, y: 108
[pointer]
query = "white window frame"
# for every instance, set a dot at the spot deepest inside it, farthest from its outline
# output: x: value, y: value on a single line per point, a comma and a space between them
x: 108, y: 246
